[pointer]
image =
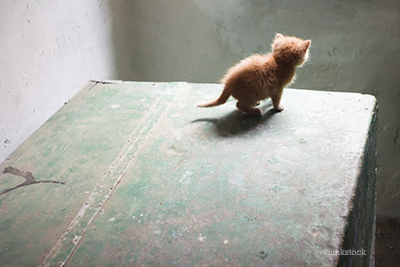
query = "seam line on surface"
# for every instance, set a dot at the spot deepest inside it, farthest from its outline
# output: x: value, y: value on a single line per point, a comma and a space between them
x: 127, y: 155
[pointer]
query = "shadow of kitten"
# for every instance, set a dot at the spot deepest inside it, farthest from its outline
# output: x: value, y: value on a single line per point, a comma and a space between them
x: 237, y: 123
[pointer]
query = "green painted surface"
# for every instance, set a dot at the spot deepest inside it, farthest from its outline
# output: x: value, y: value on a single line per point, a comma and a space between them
x: 152, y: 180
x: 87, y: 145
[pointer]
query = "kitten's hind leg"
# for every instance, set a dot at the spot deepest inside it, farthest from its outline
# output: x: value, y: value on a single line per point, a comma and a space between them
x: 276, y: 99
x: 248, y: 109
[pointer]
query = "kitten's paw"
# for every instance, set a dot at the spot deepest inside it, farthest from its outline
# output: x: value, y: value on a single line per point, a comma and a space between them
x: 279, y: 109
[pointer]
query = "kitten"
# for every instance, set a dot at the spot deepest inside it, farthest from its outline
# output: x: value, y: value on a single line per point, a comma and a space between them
x: 261, y: 76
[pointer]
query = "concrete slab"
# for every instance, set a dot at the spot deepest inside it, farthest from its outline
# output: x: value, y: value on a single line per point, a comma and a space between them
x: 139, y: 176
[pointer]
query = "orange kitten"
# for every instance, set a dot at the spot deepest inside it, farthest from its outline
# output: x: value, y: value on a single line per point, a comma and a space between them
x: 261, y: 76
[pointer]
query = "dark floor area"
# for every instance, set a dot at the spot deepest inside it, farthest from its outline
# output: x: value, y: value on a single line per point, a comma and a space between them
x: 387, y: 244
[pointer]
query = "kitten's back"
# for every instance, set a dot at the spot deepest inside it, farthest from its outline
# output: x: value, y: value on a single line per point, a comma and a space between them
x: 261, y: 76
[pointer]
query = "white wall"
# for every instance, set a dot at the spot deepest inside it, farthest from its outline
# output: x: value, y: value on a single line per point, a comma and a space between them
x: 48, y: 51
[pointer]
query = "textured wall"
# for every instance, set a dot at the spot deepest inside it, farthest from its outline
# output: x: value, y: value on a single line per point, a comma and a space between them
x: 355, y: 48
x: 48, y: 51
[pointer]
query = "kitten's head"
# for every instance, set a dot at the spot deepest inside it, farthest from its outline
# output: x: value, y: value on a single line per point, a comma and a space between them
x: 291, y: 48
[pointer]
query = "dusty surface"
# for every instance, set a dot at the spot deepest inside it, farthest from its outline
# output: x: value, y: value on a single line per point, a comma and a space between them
x: 151, y: 179
x: 387, y: 244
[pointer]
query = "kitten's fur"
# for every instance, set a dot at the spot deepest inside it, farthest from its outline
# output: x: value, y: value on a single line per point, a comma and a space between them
x: 261, y: 76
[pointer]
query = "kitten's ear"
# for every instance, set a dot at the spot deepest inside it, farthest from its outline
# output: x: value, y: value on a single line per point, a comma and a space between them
x: 306, y: 44
x: 278, y: 35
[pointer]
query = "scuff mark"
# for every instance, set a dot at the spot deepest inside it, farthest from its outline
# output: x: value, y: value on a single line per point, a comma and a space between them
x: 29, y: 179
x: 396, y: 137
x: 262, y: 254
x: 6, y: 142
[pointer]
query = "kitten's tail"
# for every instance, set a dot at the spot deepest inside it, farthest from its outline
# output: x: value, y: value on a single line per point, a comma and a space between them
x: 221, y: 100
